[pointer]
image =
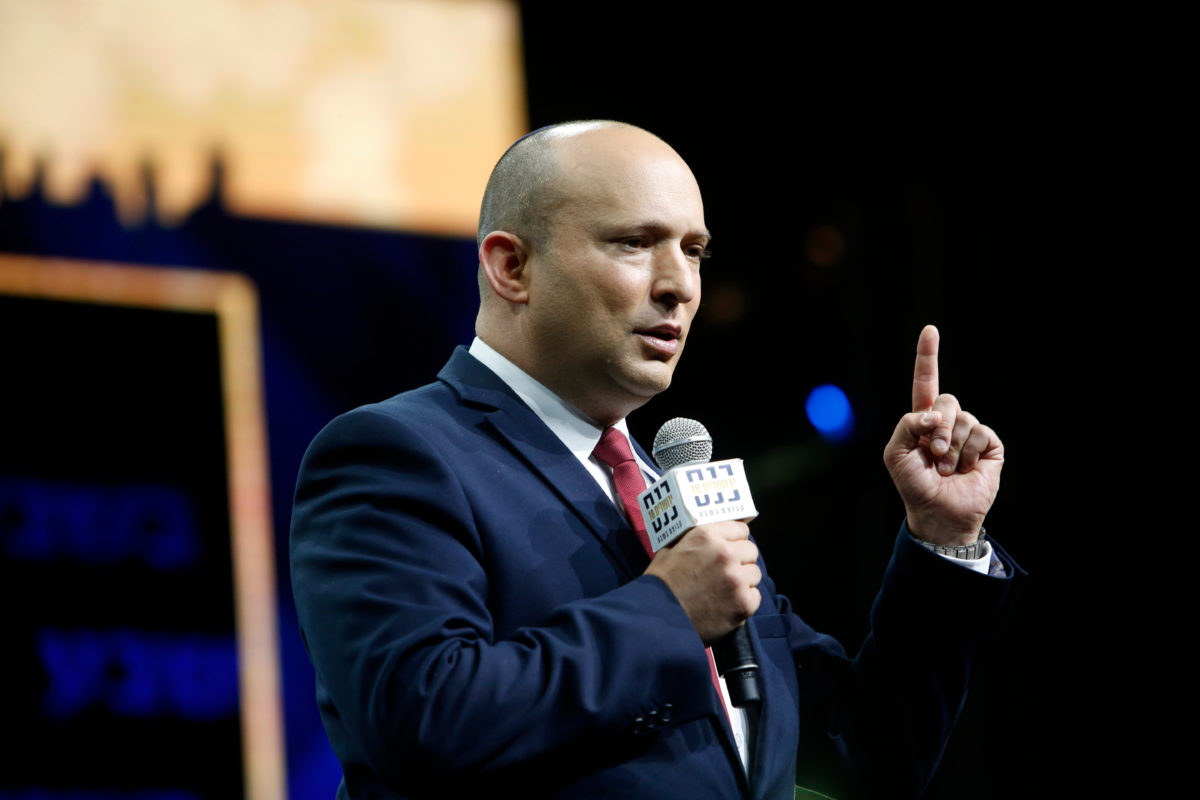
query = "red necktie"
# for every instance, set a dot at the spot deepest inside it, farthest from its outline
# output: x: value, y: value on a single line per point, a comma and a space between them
x: 613, y: 450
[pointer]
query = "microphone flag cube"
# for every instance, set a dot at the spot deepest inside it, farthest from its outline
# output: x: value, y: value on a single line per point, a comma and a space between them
x: 693, y: 494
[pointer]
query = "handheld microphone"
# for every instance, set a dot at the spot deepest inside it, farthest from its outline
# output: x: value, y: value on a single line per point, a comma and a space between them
x: 694, y: 490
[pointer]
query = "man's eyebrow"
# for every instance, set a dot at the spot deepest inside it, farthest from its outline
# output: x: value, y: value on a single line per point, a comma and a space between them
x: 659, y: 229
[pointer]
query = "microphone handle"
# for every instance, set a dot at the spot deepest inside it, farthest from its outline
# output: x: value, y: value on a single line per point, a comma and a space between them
x: 734, y: 656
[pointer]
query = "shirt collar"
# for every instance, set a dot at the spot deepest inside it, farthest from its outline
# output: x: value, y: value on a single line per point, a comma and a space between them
x: 579, y: 432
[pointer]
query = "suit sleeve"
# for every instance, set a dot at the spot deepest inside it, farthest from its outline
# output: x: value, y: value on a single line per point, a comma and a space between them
x: 392, y: 589
x: 889, y: 710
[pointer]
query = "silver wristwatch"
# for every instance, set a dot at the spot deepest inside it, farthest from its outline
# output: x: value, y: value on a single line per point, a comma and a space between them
x: 967, y: 552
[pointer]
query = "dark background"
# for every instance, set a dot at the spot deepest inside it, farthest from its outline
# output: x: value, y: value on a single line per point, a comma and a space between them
x: 859, y: 183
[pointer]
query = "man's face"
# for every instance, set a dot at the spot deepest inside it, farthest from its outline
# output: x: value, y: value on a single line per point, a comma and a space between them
x: 615, y: 287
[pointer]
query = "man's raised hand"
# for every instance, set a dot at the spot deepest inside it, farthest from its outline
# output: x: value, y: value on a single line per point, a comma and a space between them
x: 945, y: 464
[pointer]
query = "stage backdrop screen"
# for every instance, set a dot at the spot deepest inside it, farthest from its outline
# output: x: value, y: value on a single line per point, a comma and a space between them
x: 133, y: 662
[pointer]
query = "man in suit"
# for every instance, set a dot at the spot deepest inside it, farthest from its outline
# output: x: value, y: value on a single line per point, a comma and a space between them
x: 481, y: 616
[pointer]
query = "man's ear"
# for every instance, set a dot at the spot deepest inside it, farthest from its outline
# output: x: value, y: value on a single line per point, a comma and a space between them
x: 504, y: 259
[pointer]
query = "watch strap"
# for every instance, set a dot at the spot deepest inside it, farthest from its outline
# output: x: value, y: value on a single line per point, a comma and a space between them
x: 967, y: 552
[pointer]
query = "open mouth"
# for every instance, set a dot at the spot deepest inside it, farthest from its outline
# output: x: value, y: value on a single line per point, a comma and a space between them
x: 662, y: 338
x: 665, y: 333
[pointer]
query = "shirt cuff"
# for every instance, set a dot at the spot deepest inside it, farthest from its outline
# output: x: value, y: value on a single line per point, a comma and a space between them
x: 981, y: 565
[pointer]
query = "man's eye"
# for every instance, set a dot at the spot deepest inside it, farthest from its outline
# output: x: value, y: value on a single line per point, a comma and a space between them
x: 698, y: 252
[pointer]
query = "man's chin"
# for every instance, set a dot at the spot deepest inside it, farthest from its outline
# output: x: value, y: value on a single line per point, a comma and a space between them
x: 649, y: 380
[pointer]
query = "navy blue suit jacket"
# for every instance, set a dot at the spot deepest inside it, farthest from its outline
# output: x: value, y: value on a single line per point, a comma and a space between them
x: 475, y: 610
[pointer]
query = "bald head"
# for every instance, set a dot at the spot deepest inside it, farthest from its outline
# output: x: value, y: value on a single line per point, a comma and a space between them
x: 590, y: 242
x: 525, y: 188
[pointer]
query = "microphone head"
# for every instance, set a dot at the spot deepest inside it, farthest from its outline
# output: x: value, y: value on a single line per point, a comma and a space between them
x: 681, y: 441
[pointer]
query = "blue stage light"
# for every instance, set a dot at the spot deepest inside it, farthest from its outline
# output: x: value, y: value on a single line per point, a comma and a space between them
x: 829, y: 411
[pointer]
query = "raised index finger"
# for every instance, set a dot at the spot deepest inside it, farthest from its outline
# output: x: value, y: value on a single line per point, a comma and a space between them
x: 925, y: 374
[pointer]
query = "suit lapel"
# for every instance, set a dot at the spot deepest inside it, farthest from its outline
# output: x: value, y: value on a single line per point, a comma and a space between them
x: 546, y: 456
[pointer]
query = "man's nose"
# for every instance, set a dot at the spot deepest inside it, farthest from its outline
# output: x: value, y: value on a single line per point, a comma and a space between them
x: 676, y: 278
